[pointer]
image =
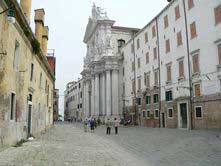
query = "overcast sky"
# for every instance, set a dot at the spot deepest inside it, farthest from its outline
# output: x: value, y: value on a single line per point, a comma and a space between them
x: 67, y: 20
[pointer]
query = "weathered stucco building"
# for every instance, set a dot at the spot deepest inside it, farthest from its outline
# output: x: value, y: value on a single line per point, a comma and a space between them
x: 26, y: 80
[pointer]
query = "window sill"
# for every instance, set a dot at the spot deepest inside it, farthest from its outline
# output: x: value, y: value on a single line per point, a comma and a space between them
x: 198, y: 118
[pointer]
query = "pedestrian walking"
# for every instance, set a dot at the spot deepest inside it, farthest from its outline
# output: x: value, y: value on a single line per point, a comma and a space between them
x: 116, y: 125
x: 92, y: 125
x: 85, y: 125
x: 108, y: 125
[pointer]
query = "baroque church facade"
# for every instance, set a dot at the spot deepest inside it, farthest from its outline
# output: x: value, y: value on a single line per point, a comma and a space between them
x: 103, y: 70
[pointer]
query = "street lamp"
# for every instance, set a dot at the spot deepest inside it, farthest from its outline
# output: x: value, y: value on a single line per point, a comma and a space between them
x: 10, y: 14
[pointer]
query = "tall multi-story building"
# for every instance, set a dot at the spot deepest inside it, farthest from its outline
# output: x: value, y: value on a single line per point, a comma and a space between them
x: 166, y: 74
x: 175, y: 71
x: 26, y: 80
x: 73, y: 108
x: 56, y: 105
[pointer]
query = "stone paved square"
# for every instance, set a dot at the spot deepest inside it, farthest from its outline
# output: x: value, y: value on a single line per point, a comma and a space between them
x: 67, y: 144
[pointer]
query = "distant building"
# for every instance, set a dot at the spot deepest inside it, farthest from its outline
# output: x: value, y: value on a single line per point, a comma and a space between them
x: 56, y: 105
x: 73, y: 101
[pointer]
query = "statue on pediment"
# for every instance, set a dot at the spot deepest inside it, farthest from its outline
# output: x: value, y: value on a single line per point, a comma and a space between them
x: 98, y: 13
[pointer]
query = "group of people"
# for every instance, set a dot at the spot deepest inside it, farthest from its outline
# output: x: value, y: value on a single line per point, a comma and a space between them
x: 93, y: 123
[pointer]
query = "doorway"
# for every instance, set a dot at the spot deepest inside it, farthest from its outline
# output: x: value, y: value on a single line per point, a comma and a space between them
x: 163, y: 120
x: 29, y: 119
x: 183, y: 115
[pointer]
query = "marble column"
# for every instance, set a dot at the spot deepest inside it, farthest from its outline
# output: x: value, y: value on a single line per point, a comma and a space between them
x: 108, y: 93
x: 87, y: 93
x: 103, y: 93
x: 92, y: 96
x: 115, y: 95
x: 97, y: 96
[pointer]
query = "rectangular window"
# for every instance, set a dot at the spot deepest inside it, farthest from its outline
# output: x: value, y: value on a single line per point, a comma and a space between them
x: 147, y: 58
x: 167, y: 45
x: 169, y: 75
x: 133, y: 86
x: 179, y: 39
x: 139, y: 101
x: 139, y: 83
x: 153, y: 32
x: 32, y: 72
x: 169, y: 95
x: 170, y: 113
x: 148, y: 100
x: 190, y: 4
x: 40, y: 81
x: 138, y: 43
x: 138, y: 63
x: 133, y: 66
x: 132, y: 48
x: 16, y: 56
x: 123, y: 71
x: 155, y: 98
x: 177, y: 12
x: 197, y: 90
x: 155, y: 53
x: 217, y: 12
x: 198, y: 112
x: 81, y: 94
x: 166, y: 22
x: 156, y: 114
x: 195, y: 60
x: 147, y: 80
x: 156, y: 78
x: 146, y: 37
x: 144, y: 114
x: 193, y: 32
x: 219, y: 53
x: 13, y: 104
x: 148, y: 114
x: 181, y: 68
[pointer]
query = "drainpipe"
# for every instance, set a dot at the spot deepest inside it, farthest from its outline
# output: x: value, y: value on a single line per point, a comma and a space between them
x: 189, y: 67
x: 135, y: 81
x: 158, y: 48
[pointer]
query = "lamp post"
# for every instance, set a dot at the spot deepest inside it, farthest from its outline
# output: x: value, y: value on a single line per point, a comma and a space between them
x: 10, y: 14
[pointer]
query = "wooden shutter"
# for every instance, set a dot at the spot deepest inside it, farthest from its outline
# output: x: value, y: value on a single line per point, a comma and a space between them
x: 190, y: 4
x: 196, y: 63
x: 179, y: 39
x: 167, y: 46
x: 153, y: 31
x: 219, y: 53
x: 181, y: 69
x: 156, y: 78
x: 168, y: 73
x: 147, y: 57
x: 166, y: 22
x: 193, y: 30
x: 217, y: 12
x: 197, y: 90
x: 177, y: 12
x: 155, y: 53
x: 146, y: 37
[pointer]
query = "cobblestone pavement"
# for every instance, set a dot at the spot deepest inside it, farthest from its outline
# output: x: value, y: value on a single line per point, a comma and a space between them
x: 67, y: 144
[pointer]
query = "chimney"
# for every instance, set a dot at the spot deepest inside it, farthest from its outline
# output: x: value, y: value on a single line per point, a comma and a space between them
x: 26, y: 8
x: 39, y: 24
x: 45, y: 40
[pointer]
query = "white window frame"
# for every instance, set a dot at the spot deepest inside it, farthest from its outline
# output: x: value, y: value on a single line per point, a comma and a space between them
x: 168, y: 113
x: 201, y: 112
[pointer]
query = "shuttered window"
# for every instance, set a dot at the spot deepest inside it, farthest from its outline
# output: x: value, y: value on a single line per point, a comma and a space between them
x: 147, y: 80
x: 148, y: 99
x: 219, y: 53
x: 181, y: 69
x: 156, y: 78
x: 190, y: 4
x: 167, y: 45
x: 147, y: 58
x: 197, y: 90
x: 133, y: 86
x: 146, y: 37
x: 177, y: 12
x: 138, y: 43
x: 138, y: 63
x: 139, y: 83
x: 169, y: 73
x: 166, y: 22
x: 153, y: 32
x: 217, y: 12
x: 179, y: 39
x: 133, y: 66
x: 195, y: 59
x: 193, y: 32
x: 155, y: 53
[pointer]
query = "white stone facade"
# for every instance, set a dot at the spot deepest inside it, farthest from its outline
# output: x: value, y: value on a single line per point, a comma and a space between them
x: 102, y: 65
